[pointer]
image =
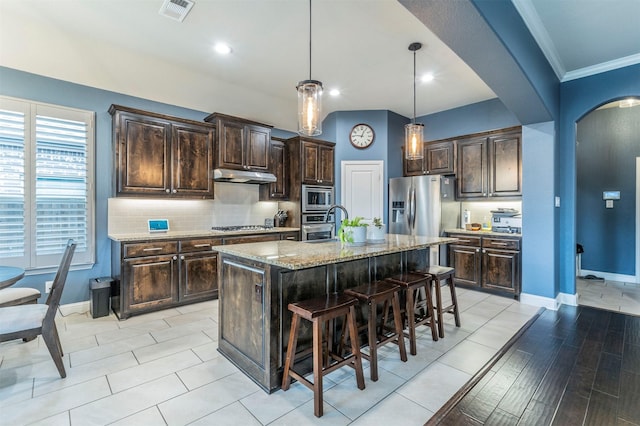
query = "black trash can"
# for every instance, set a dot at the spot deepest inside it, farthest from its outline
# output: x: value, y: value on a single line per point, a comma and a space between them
x: 100, y: 301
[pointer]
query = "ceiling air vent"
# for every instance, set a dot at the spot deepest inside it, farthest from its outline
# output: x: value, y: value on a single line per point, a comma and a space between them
x: 176, y: 9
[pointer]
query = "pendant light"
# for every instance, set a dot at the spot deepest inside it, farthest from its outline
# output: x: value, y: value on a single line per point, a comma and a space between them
x: 309, y: 100
x: 413, y: 133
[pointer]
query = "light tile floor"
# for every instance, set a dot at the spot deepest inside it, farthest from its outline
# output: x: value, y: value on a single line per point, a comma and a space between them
x: 610, y: 295
x: 164, y: 368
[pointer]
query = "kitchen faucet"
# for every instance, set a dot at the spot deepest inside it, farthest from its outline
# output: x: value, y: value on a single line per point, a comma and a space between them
x: 333, y: 207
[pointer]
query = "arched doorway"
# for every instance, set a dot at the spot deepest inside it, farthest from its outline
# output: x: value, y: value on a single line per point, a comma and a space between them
x: 607, y: 146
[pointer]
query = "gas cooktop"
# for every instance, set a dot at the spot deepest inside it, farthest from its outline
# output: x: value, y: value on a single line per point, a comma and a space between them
x: 230, y: 228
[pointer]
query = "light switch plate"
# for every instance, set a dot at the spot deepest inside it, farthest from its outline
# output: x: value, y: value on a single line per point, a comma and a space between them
x: 608, y: 204
x: 557, y: 201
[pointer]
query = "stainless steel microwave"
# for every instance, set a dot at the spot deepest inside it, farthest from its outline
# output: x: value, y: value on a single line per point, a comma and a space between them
x: 316, y: 198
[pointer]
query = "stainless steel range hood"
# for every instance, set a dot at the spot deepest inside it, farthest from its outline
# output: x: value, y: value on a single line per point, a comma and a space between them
x: 242, y: 176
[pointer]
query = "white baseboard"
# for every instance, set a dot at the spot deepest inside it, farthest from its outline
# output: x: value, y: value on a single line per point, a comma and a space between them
x: 609, y: 276
x: 567, y: 299
x: 75, y: 308
x: 535, y: 300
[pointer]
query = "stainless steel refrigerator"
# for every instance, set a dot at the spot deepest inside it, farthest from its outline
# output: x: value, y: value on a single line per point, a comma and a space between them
x: 423, y: 205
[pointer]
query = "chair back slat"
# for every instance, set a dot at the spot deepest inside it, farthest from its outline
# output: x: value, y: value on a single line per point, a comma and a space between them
x: 59, y: 281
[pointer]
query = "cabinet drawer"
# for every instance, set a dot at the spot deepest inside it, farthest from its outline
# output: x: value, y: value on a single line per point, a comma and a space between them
x: 252, y: 239
x: 150, y: 249
x: 200, y: 244
x: 466, y: 240
x: 501, y: 243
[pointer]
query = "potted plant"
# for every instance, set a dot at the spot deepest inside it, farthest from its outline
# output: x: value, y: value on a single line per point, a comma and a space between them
x: 353, y: 231
x: 376, y: 230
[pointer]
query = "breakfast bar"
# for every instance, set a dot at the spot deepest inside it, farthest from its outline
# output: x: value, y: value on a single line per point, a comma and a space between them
x: 257, y: 281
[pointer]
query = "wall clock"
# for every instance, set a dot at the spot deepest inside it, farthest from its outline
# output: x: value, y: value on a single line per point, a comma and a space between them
x: 361, y: 136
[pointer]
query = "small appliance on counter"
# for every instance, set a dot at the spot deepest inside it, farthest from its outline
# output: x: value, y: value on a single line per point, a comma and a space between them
x: 506, y: 220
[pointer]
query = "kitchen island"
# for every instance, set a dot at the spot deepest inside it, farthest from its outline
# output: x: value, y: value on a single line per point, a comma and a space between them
x: 257, y: 281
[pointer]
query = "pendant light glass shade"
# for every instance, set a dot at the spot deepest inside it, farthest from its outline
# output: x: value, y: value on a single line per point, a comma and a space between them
x: 309, y: 107
x: 413, y: 145
x: 414, y: 132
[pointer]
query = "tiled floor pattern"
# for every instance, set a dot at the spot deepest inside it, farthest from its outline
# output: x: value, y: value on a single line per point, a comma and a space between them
x: 164, y: 368
x: 610, y: 295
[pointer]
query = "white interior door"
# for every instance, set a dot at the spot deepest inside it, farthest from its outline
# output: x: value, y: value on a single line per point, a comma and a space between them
x: 362, y: 188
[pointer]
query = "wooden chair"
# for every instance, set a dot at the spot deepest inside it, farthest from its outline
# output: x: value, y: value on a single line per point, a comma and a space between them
x: 14, y: 296
x: 441, y: 276
x: 318, y: 311
x: 380, y: 292
x: 29, y: 321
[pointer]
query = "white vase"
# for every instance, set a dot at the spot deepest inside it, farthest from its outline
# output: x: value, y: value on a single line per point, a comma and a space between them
x: 355, y: 235
x: 375, y: 234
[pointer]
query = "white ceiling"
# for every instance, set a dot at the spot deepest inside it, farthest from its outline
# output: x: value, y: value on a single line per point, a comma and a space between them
x: 359, y: 47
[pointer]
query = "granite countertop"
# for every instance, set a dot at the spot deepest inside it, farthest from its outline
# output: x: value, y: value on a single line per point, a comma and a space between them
x: 300, y: 255
x: 481, y: 233
x: 173, y: 235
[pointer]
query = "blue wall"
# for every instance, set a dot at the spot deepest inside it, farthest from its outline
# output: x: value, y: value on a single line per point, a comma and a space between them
x: 577, y: 98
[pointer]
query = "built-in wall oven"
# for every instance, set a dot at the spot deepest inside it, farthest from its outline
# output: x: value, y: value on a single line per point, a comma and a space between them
x: 316, y: 198
x: 314, y: 226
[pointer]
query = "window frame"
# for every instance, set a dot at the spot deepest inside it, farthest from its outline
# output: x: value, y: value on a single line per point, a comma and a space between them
x: 30, y: 261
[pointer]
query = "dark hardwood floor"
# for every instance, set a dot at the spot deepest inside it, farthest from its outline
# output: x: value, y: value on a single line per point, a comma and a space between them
x: 575, y: 366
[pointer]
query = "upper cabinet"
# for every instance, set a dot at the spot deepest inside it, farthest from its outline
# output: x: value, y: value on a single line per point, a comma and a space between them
x: 317, y: 162
x: 490, y: 165
x: 242, y: 144
x: 279, y: 166
x: 159, y: 155
x: 438, y: 159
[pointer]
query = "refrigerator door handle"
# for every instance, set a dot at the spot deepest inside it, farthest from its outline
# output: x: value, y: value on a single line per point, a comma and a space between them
x: 412, y: 206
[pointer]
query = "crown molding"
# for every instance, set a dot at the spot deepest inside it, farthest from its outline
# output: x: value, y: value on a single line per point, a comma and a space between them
x: 531, y: 18
x: 602, y: 67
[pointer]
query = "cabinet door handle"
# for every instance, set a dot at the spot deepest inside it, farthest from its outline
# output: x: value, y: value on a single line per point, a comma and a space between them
x: 477, y: 250
x: 463, y: 241
x: 175, y: 258
x: 202, y: 245
x: 484, y: 251
x: 484, y: 194
x: 174, y: 191
x: 258, y: 292
x: 167, y: 190
x: 499, y: 244
x: 152, y: 249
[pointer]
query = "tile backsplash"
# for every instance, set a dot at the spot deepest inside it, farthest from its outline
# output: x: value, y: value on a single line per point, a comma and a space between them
x: 482, y: 209
x: 234, y: 204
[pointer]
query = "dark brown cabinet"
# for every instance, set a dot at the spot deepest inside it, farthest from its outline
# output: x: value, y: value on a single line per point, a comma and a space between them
x: 159, y: 155
x: 153, y: 275
x: 279, y: 166
x: 438, y: 159
x: 490, y: 166
x: 317, y: 165
x: 198, y: 269
x: 242, y: 144
x: 486, y: 262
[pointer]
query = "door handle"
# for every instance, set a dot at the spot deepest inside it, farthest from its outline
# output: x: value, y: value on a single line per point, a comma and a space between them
x: 257, y: 291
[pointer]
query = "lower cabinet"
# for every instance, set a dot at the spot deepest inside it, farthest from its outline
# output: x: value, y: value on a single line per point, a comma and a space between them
x: 486, y: 262
x: 151, y: 275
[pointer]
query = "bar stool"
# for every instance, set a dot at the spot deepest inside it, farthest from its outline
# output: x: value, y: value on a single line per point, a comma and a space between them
x: 439, y: 276
x: 318, y: 311
x: 412, y: 283
x: 374, y: 294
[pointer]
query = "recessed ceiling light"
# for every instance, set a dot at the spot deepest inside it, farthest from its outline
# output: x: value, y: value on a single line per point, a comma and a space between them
x: 222, y: 48
x: 427, y: 78
x: 334, y: 92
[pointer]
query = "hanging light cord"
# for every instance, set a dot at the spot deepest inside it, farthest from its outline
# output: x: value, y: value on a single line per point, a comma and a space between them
x: 310, y: 40
x: 414, y: 87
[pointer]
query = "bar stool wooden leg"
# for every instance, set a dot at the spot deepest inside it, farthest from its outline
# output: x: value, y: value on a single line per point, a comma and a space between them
x: 355, y: 349
x: 431, y: 311
x: 317, y: 367
x: 291, y: 351
x: 409, y: 309
x: 436, y: 284
x: 397, y: 320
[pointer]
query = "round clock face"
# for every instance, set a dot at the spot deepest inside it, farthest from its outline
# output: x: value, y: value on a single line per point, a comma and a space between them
x: 361, y: 136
